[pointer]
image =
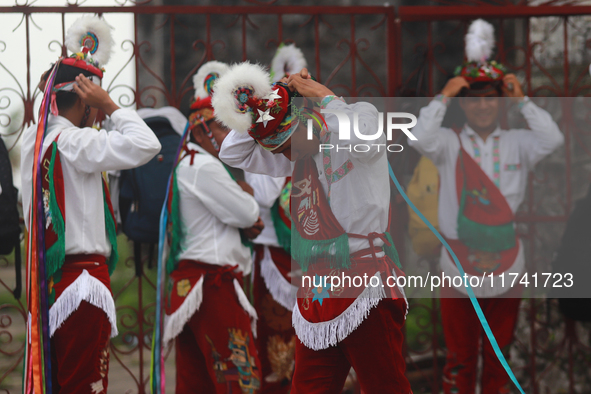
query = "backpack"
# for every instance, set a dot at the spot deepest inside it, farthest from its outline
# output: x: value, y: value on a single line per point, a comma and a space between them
x: 9, y: 217
x: 423, y: 191
x: 143, y: 189
x: 574, y: 257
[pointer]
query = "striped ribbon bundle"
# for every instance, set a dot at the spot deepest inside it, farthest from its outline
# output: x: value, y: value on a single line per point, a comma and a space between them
x: 37, y: 361
x: 157, y: 375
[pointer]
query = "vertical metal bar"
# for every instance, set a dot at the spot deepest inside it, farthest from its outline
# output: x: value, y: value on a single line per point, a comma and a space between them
x: 140, y: 317
x: 280, y: 28
x: 528, y: 55
x: 28, y: 100
x: 434, y: 341
x: 353, y: 57
x: 392, y: 72
x: 173, y: 99
x: 501, y: 43
x: 565, y: 43
x: 136, y: 53
x: 568, y: 120
x: 244, y: 37
x: 317, y: 47
x: 430, y: 57
x: 64, y: 50
x: 208, y: 49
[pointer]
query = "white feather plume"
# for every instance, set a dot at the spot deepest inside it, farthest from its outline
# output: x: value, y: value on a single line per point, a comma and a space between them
x: 480, y: 41
x: 287, y: 59
x: 206, y: 69
x: 225, y: 105
x: 100, y: 29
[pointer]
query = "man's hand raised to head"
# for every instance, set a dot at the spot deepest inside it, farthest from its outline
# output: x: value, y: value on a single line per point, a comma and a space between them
x: 93, y: 95
x: 453, y: 87
x: 307, y: 87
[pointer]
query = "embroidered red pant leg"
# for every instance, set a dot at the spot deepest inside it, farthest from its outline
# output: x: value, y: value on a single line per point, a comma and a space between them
x: 275, y: 334
x: 374, y: 350
x: 80, y: 352
x: 216, y: 349
x: 463, y: 335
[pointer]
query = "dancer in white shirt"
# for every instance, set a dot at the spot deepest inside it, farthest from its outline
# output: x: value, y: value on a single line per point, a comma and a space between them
x: 80, y: 234
x: 338, y: 329
x: 208, y: 314
x: 483, y: 176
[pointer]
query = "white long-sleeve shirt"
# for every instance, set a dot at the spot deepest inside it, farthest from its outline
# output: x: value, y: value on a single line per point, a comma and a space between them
x: 213, y: 208
x: 360, y: 199
x: 266, y: 191
x: 85, y: 153
x: 519, y: 151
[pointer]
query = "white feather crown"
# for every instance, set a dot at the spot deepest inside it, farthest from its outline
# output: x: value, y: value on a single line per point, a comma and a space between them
x: 288, y: 59
x: 241, y: 83
x: 206, y: 76
x: 480, y: 41
x: 91, y: 35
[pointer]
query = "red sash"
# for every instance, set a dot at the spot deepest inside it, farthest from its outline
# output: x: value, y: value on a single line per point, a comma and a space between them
x: 320, y: 235
x: 484, y: 205
x: 188, y: 272
x: 484, y: 201
x: 75, y: 265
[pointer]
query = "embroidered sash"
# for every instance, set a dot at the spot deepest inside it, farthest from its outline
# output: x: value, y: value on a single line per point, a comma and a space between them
x: 281, y: 216
x: 321, y: 247
x: 487, y: 239
x: 485, y: 220
x: 55, y: 218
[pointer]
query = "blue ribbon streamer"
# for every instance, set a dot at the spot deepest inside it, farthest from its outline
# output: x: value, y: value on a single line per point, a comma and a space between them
x: 156, y: 367
x: 473, y: 299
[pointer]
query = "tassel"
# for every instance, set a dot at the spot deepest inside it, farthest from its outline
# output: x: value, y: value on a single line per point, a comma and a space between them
x: 53, y: 105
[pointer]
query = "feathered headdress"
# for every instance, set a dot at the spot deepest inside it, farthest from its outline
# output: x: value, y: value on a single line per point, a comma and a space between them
x: 90, y: 40
x: 480, y: 43
x: 203, y: 83
x: 288, y: 59
x: 244, y: 100
x: 206, y: 76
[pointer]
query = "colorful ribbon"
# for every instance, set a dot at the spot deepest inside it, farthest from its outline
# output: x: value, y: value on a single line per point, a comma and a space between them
x: 37, y: 360
x: 157, y: 375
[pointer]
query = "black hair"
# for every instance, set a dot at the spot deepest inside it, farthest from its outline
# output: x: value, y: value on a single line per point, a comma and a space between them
x: 66, y: 73
x: 484, y: 85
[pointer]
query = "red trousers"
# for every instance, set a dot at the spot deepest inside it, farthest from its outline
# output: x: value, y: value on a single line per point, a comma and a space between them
x: 464, y: 335
x: 374, y: 350
x: 215, y: 352
x: 275, y: 335
x: 80, y: 352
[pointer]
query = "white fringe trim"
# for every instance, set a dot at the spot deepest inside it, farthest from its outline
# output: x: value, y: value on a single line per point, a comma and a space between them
x: 281, y: 290
x: 243, y: 299
x: 175, y: 323
x: 318, y: 336
x: 84, y: 288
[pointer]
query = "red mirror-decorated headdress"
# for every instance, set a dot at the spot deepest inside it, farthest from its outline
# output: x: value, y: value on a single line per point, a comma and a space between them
x: 480, y: 43
x: 244, y: 100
